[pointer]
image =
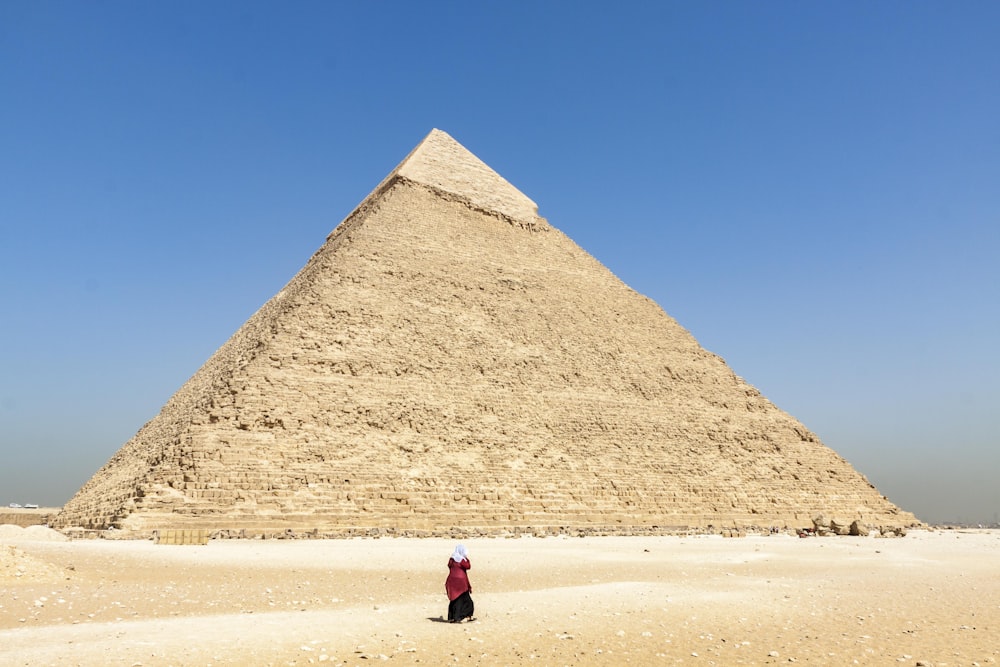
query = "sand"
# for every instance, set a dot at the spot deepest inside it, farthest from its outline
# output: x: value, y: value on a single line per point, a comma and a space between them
x: 930, y: 598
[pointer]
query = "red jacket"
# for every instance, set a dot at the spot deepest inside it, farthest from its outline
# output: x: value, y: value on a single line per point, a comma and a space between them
x: 458, y: 581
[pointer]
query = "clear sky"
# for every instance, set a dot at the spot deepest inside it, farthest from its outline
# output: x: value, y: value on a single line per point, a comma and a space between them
x: 812, y: 189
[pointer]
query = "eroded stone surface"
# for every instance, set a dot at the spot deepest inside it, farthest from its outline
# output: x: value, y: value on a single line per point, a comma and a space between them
x: 449, y: 360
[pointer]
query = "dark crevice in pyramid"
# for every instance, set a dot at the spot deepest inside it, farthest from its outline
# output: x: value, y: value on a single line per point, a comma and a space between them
x: 448, y: 360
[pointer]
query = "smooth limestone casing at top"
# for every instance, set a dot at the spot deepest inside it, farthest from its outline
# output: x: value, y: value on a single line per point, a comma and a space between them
x: 448, y: 361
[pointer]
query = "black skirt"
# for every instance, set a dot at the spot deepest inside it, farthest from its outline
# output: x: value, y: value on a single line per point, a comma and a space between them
x: 461, y: 608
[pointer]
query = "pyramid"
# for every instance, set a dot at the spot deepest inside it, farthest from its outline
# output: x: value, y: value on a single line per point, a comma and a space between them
x: 448, y: 361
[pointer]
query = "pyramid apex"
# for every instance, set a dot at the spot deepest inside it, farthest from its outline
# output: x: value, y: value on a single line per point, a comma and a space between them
x: 442, y: 163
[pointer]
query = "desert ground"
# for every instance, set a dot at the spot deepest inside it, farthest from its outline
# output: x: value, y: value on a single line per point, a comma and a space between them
x: 929, y: 598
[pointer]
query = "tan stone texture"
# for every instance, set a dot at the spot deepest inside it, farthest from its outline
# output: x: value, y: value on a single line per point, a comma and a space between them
x: 27, y: 516
x: 448, y: 360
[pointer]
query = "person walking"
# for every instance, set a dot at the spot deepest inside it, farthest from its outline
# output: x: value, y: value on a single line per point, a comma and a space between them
x: 457, y: 586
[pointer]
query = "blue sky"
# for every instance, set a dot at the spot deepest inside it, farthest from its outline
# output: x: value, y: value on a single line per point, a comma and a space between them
x: 812, y: 189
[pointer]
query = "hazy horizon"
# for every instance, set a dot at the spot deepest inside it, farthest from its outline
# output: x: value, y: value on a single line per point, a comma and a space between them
x: 810, y: 190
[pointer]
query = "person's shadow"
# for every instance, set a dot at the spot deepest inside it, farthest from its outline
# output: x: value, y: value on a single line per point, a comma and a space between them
x: 437, y: 619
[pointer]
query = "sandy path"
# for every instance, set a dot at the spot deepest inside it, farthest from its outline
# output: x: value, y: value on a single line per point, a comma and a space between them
x: 931, y: 598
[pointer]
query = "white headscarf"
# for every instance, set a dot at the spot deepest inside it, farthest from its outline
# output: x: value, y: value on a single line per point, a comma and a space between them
x: 460, y: 553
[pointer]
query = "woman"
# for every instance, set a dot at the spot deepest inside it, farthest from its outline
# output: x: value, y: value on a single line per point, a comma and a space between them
x: 458, y: 587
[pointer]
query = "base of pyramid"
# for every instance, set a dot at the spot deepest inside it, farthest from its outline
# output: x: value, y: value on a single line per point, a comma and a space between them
x: 313, y: 526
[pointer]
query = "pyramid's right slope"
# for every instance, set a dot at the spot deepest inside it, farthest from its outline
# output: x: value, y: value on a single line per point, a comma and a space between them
x: 448, y: 359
